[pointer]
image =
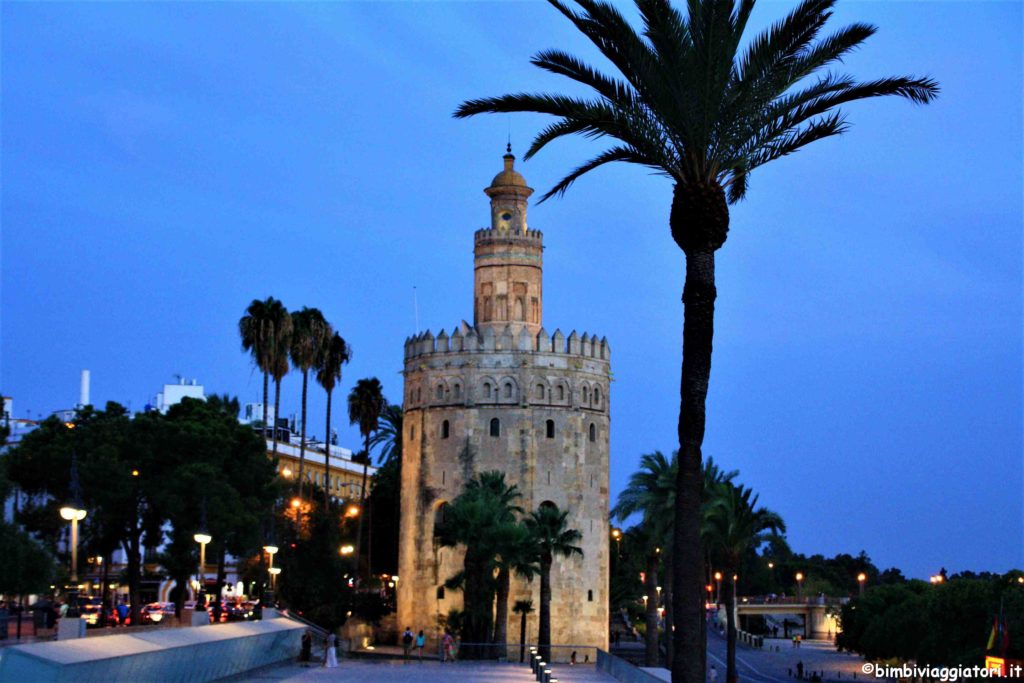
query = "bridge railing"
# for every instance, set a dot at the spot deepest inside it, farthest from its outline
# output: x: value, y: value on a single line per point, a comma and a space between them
x: 790, y: 600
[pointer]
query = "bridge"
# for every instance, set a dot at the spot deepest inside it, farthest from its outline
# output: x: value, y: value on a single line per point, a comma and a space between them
x: 820, y: 615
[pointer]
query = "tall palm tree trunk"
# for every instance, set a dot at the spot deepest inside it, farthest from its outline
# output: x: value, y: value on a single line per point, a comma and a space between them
x: 501, y: 611
x: 302, y: 436
x: 731, y: 675
x: 651, y: 611
x: 266, y: 395
x: 544, y: 631
x: 698, y: 326
x: 327, y: 455
x: 522, y: 637
x: 362, y: 500
x: 277, y: 407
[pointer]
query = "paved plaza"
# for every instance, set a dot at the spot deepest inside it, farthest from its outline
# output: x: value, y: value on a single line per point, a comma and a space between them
x: 365, y: 671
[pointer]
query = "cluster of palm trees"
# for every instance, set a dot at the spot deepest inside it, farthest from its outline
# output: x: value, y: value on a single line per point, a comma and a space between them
x: 731, y: 523
x: 279, y: 341
x: 500, y: 540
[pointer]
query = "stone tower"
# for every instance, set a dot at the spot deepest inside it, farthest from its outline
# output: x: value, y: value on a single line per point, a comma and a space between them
x: 504, y: 394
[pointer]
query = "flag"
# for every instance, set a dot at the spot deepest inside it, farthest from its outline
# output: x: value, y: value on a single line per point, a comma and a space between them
x: 992, y: 636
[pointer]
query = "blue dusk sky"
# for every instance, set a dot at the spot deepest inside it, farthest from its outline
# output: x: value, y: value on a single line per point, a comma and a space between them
x: 166, y: 163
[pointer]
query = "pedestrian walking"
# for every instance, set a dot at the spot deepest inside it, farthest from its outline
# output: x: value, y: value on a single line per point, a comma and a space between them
x: 306, y: 653
x: 407, y: 641
x: 421, y: 640
x: 799, y: 669
x: 447, y: 647
x: 331, y: 652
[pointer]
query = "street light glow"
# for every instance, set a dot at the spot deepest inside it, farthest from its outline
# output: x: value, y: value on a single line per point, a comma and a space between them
x: 70, y: 513
x: 271, y: 549
x: 202, y: 538
x: 347, y: 549
x: 862, y: 577
x: 352, y: 511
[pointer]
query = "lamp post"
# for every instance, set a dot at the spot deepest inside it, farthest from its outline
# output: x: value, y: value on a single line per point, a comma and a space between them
x: 718, y: 587
x: 861, y: 578
x: 799, y: 585
x: 274, y: 571
x: 271, y: 550
x: 74, y: 515
x: 202, y: 539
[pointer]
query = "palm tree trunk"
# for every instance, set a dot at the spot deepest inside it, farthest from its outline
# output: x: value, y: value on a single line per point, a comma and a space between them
x: 731, y: 675
x: 501, y: 611
x: 277, y: 406
x: 522, y: 638
x: 266, y: 381
x: 327, y: 456
x: 651, y: 611
x: 362, y: 499
x: 699, y: 293
x: 544, y: 632
x: 302, y: 436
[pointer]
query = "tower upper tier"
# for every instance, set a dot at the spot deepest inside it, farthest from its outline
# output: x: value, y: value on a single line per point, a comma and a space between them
x: 508, y: 258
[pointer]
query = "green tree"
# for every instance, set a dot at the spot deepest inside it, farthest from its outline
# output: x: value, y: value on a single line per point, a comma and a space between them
x: 309, y: 331
x: 694, y: 103
x: 553, y: 538
x: 389, y: 435
x: 651, y: 492
x: 277, y: 354
x: 365, y: 405
x: 479, y: 519
x: 256, y: 329
x: 523, y: 608
x: 734, y: 525
x: 336, y: 353
x: 27, y: 567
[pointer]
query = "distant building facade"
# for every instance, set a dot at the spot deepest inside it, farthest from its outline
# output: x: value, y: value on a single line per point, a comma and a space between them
x: 504, y: 394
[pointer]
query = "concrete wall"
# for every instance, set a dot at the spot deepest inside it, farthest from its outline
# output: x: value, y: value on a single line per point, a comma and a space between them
x: 173, y: 654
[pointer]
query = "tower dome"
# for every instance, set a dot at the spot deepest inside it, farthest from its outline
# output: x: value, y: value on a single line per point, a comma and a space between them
x: 509, y: 180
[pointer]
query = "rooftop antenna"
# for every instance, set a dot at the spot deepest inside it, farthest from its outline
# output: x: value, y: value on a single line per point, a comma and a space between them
x: 416, y: 309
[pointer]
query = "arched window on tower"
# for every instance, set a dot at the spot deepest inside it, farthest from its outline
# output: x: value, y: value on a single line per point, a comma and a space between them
x: 549, y: 429
x: 508, y: 389
x: 457, y: 391
x: 440, y: 516
x: 487, y: 389
x: 597, y: 397
x: 586, y: 395
x: 495, y: 427
x: 593, y: 432
x: 561, y: 392
x: 439, y: 392
x: 444, y: 429
x: 540, y: 392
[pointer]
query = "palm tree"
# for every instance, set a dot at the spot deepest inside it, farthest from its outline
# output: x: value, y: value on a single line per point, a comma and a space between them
x: 365, y: 405
x: 651, y: 492
x: 281, y: 337
x: 389, y: 435
x: 516, y: 554
x: 335, y: 353
x: 734, y: 525
x: 522, y: 608
x: 310, y: 331
x: 694, y: 106
x: 256, y: 328
x: 553, y: 539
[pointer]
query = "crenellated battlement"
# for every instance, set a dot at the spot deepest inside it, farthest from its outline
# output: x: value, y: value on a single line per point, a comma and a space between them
x: 466, y: 339
x: 485, y: 235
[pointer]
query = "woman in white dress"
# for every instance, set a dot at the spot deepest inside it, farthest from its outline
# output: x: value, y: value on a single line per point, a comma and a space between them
x: 331, y: 652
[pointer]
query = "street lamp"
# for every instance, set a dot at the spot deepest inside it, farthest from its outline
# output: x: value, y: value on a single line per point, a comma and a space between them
x: 617, y: 535
x: 799, y: 584
x: 74, y: 515
x: 861, y: 578
x: 718, y: 587
x: 274, y: 571
x: 352, y: 510
x: 202, y: 539
x: 347, y: 549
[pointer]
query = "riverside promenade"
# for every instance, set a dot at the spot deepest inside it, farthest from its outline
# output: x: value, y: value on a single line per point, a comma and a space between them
x: 427, y: 671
